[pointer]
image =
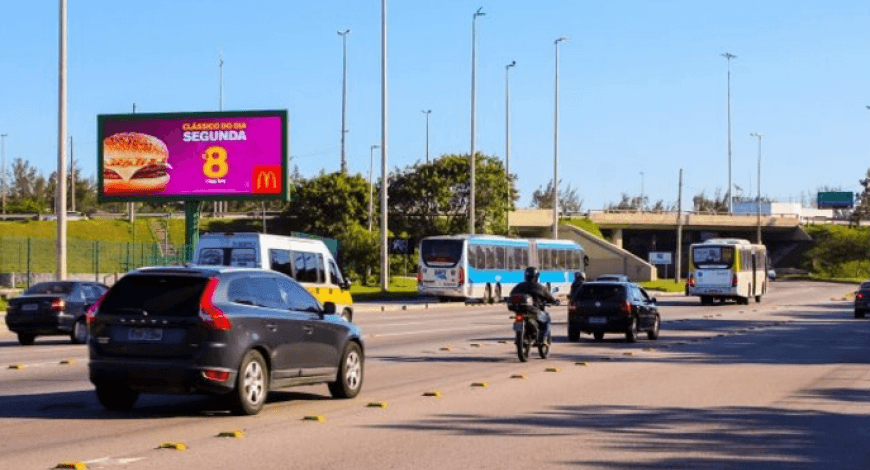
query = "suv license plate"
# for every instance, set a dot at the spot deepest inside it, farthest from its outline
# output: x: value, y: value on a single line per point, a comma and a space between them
x: 597, y: 320
x: 145, y: 334
x: 29, y: 307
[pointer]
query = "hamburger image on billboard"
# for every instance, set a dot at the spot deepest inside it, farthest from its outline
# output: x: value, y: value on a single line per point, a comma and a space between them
x: 134, y: 163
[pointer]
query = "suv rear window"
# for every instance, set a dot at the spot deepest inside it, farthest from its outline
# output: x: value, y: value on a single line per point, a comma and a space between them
x: 601, y: 292
x: 156, y: 295
x: 50, y: 288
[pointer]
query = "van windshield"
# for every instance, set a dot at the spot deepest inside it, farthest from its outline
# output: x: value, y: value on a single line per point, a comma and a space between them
x: 240, y: 257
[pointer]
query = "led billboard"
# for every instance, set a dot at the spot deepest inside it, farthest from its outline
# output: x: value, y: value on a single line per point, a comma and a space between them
x: 238, y: 155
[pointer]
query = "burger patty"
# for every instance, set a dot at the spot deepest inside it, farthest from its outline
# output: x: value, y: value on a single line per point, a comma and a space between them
x: 150, y: 171
x: 109, y: 174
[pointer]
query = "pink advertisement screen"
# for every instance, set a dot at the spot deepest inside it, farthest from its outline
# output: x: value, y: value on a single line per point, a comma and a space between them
x: 186, y: 156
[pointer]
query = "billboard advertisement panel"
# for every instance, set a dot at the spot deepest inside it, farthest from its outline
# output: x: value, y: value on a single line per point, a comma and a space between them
x: 835, y: 200
x: 239, y: 155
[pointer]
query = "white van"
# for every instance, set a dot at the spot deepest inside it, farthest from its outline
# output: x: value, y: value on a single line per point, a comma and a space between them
x: 304, y: 259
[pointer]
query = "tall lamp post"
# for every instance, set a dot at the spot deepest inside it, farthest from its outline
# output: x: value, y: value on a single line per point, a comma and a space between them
x: 3, y: 170
x: 61, y: 145
x: 641, y: 191
x: 371, y: 183
x: 471, y: 155
x: 758, y: 197
x: 427, y: 112
x: 343, y: 35
x: 385, y: 257
x: 507, y: 137
x: 728, y: 56
x: 556, y: 145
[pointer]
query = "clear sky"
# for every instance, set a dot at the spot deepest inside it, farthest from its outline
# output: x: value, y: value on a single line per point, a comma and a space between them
x: 642, y: 84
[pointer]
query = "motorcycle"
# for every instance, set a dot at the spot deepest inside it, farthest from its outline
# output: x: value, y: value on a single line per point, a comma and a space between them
x: 528, y: 331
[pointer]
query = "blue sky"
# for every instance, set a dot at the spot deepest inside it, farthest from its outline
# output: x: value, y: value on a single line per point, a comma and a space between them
x: 642, y: 84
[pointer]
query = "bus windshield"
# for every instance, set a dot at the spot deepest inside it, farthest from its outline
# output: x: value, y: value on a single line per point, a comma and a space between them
x: 441, y: 252
x: 713, y: 256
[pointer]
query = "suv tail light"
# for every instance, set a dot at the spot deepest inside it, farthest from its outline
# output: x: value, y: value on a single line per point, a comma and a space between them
x: 461, y: 276
x: 419, y: 275
x: 859, y: 296
x: 734, y: 281
x: 92, y: 310
x: 216, y: 375
x: 209, y: 313
x: 625, y: 308
x: 519, y: 318
x: 572, y: 307
x: 58, y: 305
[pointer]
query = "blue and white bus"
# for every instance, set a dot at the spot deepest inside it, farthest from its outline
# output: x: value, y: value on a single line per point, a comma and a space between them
x: 487, y: 267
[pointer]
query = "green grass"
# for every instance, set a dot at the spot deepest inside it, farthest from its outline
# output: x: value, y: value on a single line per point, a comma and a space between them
x: 585, y: 224
x: 664, y: 285
x: 399, y: 288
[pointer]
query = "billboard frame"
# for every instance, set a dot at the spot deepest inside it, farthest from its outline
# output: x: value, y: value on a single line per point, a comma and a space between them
x: 284, y: 195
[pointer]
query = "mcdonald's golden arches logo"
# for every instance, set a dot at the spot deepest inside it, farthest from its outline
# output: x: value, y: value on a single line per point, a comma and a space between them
x: 266, y: 180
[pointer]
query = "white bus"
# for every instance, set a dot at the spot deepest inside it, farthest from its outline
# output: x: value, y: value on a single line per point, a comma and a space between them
x: 487, y: 267
x: 727, y: 268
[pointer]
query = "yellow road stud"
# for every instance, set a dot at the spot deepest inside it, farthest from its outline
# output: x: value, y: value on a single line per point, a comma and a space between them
x: 434, y: 393
x: 75, y: 465
x: 17, y: 366
x: 502, y: 341
x: 447, y: 348
x: 647, y: 349
x: 475, y: 345
x: 233, y: 434
x: 317, y: 418
x: 172, y: 445
x: 552, y: 369
x: 519, y: 376
x: 377, y: 404
x: 628, y: 354
x: 68, y: 361
x: 479, y: 384
x: 584, y: 364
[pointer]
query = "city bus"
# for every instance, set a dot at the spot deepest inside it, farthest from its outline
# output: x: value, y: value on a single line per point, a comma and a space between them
x: 727, y: 268
x: 486, y: 267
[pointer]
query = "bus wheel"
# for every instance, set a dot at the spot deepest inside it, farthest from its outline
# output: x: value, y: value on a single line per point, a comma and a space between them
x: 487, y: 294
x: 498, y: 296
x: 758, y: 299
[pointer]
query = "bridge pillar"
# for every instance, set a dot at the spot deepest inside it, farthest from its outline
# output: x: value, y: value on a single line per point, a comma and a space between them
x: 617, y: 237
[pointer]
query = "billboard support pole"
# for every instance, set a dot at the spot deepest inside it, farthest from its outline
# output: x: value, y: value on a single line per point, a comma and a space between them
x: 191, y: 228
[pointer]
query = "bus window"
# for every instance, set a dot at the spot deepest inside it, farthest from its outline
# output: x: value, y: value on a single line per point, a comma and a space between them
x: 499, y: 257
x: 280, y: 260
x: 490, y: 257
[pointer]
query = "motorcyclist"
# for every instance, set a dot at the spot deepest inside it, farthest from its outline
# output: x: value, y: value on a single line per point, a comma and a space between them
x: 540, y: 297
x: 579, y: 279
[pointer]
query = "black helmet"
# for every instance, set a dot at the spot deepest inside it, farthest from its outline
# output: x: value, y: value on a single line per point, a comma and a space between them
x: 579, y: 275
x: 531, y: 274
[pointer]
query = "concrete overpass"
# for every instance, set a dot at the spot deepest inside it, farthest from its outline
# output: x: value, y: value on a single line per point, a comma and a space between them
x: 639, y: 233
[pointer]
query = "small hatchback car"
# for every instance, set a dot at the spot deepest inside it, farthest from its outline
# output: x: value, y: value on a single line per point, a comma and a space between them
x: 53, y: 308
x: 236, y: 332
x: 613, y: 307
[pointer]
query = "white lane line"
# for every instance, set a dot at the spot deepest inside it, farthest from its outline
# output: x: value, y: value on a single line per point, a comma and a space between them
x: 419, y: 332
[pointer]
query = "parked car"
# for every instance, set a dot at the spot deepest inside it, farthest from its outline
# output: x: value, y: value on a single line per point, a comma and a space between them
x: 53, y: 308
x: 613, y: 277
x: 235, y: 332
x: 613, y: 307
x: 771, y: 274
x: 862, y: 300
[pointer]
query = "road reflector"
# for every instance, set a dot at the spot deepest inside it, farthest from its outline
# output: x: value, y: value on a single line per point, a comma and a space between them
x: 475, y: 345
x: 647, y: 349
x: 502, y: 341
x: 75, y: 465
x: 377, y: 404
x: 581, y: 364
x: 628, y: 354
x: 519, y: 376
x: 17, y: 366
x: 552, y: 369
x: 479, y: 384
x: 447, y: 348
x: 172, y: 445
x: 434, y: 393
x: 317, y: 418
x: 233, y: 434
x: 68, y: 361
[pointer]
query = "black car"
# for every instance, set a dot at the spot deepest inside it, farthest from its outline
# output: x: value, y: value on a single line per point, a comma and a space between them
x: 613, y: 277
x: 53, y: 308
x: 862, y: 300
x: 613, y: 307
x: 236, y: 332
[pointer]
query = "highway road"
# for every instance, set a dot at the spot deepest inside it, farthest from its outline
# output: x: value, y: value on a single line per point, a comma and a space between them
x: 780, y: 384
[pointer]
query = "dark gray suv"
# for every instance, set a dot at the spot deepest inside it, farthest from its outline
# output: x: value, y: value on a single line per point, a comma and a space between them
x: 235, y: 332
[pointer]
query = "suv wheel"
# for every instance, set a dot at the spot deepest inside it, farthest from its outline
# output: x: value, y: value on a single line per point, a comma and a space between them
x: 348, y: 383
x: 252, y: 384
x: 116, y: 397
x: 80, y: 332
x: 631, y: 331
x: 654, y: 332
x: 26, y: 339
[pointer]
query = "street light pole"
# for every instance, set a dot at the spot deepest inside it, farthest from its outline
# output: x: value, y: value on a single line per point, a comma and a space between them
x: 427, y: 112
x: 556, y: 145
x: 343, y: 35
x: 61, y: 145
x: 641, y: 191
x: 728, y: 56
x: 385, y: 259
x: 3, y: 170
x: 758, y: 198
x: 471, y: 155
x: 507, y: 136
x: 371, y: 183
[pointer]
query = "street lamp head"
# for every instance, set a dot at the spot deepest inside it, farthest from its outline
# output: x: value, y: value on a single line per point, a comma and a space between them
x: 426, y: 111
x: 728, y: 55
x: 513, y: 63
x: 563, y: 38
x: 479, y: 12
x: 375, y: 147
x: 343, y: 33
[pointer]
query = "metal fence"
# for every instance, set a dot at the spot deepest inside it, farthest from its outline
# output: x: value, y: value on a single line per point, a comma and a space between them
x: 30, y: 256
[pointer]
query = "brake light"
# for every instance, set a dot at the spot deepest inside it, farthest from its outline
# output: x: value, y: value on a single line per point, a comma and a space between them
x: 92, y: 310
x: 209, y: 313
x: 216, y: 375
x: 58, y: 305
x: 860, y: 296
x: 461, y: 276
x: 419, y: 275
x: 690, y: 281
x: 572, y: 307
x: 625, y: 308
x: 519, y: 318
x: 734, y: 281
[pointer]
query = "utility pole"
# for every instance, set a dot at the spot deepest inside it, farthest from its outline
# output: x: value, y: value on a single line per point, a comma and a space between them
x: 758, y: 198
x: 728, y: 56
x: 556, y: 144
x: 343, y: 35
x: 3, y: 170
x: 72, y: 176
x: 679, y: 258
x: 131, y: 206
x: 385, y: 181
x: 61, y: 145
x: 473, y: 160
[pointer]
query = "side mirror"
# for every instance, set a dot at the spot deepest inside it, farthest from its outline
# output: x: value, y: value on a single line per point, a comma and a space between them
x: 585, y: 260
x: 345, y: 284
x: 329, y: 308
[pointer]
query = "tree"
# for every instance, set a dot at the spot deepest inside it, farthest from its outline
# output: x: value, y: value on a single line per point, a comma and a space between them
x: 328, y: 204
x: 542, y: 198
x: 718, y: 205
x: 29, y: 191
x: 862, y: 207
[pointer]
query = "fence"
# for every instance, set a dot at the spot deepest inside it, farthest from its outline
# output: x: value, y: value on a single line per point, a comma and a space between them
x: 31, y: 256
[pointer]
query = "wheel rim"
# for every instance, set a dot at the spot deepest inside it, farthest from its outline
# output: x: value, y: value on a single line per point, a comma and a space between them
x: 81, y: 332
x: 254, y: 382
x: 352, y: 370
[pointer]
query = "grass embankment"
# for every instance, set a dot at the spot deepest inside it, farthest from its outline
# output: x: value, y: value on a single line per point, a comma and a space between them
x: 586, y: 224
x: 399, y: 288
x: 664, y: 285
